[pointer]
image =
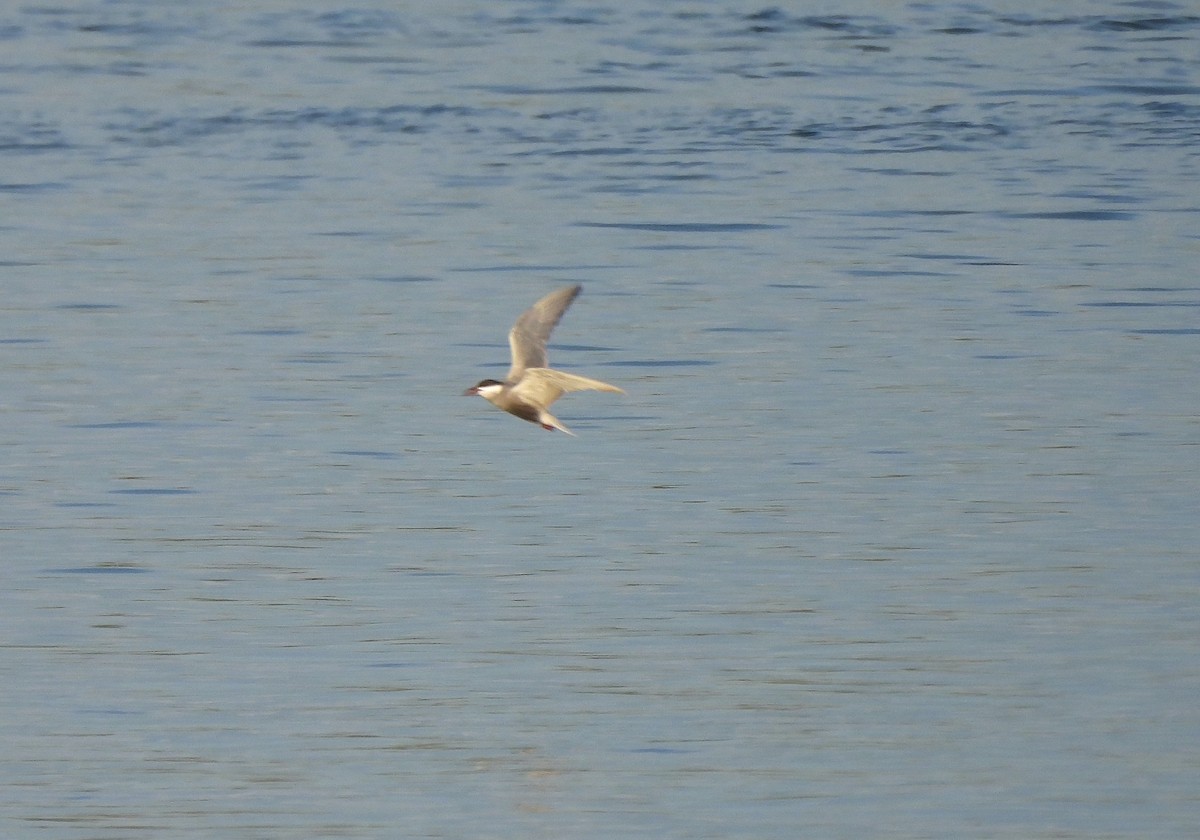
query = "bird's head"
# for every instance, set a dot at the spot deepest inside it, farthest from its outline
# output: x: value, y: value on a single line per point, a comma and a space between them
x: 486, y: 388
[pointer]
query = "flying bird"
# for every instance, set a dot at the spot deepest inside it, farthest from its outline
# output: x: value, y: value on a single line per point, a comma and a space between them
x: 531, y: 386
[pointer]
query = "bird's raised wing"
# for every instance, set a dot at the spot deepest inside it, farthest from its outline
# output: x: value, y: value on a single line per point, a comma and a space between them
x: 532, y: 330
x: 542, y: 386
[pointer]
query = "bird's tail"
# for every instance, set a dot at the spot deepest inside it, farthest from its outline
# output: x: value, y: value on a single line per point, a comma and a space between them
x: 549, y: 421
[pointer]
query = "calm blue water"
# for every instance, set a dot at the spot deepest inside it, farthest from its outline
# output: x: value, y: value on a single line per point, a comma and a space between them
x: 894, y: 536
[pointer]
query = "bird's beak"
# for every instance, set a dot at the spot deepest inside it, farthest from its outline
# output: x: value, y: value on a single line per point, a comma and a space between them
x: 471, y: 392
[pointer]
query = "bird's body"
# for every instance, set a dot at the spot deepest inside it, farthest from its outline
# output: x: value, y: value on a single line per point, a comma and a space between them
x: 531, y: 386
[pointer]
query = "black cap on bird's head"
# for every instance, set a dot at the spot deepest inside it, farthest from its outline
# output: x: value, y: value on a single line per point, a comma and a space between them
x: 483, y: 383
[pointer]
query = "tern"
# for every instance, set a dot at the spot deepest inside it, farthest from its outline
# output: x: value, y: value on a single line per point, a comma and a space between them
x: 531, y: 386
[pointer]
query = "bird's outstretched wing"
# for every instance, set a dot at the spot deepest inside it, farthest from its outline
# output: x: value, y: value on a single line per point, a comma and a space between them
x: 542, y: 386
x: 532, y: 330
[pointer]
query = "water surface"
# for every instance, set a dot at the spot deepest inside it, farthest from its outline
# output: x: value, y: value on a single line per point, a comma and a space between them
x: 893, y: 536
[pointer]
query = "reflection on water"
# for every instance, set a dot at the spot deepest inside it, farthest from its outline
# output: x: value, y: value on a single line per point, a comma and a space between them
x: 893, y: 535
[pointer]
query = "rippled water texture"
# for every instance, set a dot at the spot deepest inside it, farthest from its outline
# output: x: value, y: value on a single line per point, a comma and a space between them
x: 893, y: 536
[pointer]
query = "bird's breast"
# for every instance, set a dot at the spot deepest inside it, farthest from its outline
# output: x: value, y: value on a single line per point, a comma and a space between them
x: 510, y: 402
